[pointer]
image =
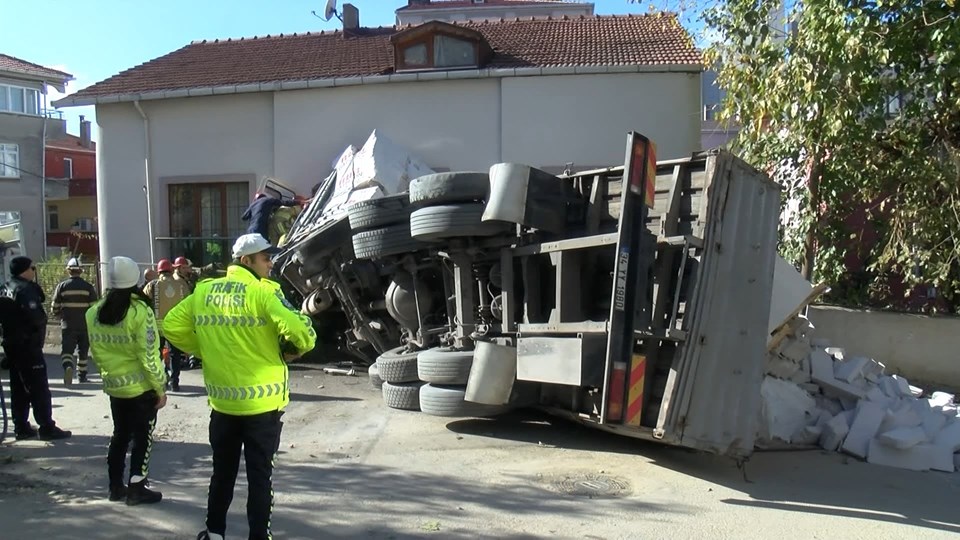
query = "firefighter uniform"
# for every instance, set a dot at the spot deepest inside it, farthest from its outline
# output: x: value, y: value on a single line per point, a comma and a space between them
x: 71, y: 300
x: 166, y: 292
x: 236, y: 324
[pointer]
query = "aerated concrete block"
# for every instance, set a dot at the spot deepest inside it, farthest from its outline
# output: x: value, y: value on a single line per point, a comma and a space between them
x: 933, y: 423
x: 863, y: 428
x: 956, y: 461
x: 903, y: 438
x: 949, y: 437
x: 921, y: 457
x: 850, y: 370
x: 940, y: 399
x: 836, y: 352
x: 904, y: 386
x: 831, y: 405
x: 834, y: 432
x: 903, y: 416
x: 821, y: 372
x: 807, y: 435
x: 820, y: 343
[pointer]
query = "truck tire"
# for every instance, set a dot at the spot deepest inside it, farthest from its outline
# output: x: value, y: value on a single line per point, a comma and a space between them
x: 439, y: 400
x: 449, y: 187
x: 398, y: 366
x: 378, y: 243
x: 444, y: 366
x: 378, y: 213
x: 403, y: 396
x: 374, y: 373
x: 452, y: 220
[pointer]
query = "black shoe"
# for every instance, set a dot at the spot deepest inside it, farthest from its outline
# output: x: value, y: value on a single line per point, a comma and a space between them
x: 82, y: 376
x: 26, y: 433
x: 204, y: 535
x: 118, y: 493
x: 54, y: 433
x: 176, y: 386
x: 139, y: 493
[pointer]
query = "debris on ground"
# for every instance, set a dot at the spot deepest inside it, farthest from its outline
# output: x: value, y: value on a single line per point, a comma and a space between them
x: 818, y: 394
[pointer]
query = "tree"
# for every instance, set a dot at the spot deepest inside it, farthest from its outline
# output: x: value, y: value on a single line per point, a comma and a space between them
x: 857, y: 107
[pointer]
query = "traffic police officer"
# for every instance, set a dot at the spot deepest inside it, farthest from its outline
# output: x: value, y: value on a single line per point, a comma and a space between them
x: 71, y: 300
x: 28, y: 368
x: 239, y: 325
x: 124, y: 336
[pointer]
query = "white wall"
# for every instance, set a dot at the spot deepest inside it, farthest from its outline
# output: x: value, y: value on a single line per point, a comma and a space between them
x: 451, y: 124
x: 465, y: 124
x: 585, y: 118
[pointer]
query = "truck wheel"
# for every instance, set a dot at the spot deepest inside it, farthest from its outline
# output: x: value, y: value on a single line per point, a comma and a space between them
x: 398, y: 366
x: 378, y: 243
x: 437, y: 400
x: 452, y: 220
x: 404, y: 396
x: 378, y: 213
x: 374, y: 373
x: 449, y: 187
x: 444, y: 366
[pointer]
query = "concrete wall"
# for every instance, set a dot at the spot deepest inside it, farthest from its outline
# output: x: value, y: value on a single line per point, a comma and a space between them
x: 921, y: 348
x: 453, y: 124
x: 25, y: 194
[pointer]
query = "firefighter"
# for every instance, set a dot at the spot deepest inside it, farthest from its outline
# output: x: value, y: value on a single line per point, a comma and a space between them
x: 29, y: 386
x: 71, y: 300
x: 239, y: 325
x: 149, y: 274
x: 166, y: 292
x: 124, y: 338
x: 183, y: 269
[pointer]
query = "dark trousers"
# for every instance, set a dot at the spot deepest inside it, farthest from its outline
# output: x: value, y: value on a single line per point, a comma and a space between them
x: 259, y: 438
x: 74, y: 340
x: 176, y: 359
x: 133, y: 420
x: 29, y: 387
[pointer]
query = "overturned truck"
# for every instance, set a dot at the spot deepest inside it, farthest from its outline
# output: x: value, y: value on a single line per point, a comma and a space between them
x: 633, y: 298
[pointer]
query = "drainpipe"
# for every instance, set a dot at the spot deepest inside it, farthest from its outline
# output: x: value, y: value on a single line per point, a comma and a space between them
x: 148, y: 187
x: 43, y: 182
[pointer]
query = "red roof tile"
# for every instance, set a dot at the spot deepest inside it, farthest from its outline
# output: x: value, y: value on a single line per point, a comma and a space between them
x: 450, y: 4
x: 583, y: 41
x: 70, y: 142
x: 16, y: 65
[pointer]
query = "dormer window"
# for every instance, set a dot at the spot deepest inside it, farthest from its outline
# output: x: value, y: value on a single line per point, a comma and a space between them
x: 439, y: 45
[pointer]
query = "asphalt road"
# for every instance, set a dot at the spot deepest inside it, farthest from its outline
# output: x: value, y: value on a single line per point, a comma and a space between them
x: 350, y: 468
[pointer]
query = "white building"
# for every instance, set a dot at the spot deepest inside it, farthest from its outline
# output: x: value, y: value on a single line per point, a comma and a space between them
x: 421, y: 11
x: 197, y: 129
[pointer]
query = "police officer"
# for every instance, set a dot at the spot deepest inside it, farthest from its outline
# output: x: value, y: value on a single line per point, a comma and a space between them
x: 124, y: 336
x: 166, y: 292
x: 239, y: 324
x: 28, y: 368
x: 71, y: 300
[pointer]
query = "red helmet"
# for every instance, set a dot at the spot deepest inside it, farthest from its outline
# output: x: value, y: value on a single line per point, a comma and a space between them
x: 181, y: 261
x: 164, y: 266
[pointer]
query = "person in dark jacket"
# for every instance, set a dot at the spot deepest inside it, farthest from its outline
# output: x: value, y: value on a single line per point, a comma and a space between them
x: 258, y: 213
x: 71, y: 300
x: 29, y: 386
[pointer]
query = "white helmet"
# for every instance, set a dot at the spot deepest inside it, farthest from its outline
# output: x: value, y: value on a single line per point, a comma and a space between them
x: 122, y: 273
x: 73, y: 263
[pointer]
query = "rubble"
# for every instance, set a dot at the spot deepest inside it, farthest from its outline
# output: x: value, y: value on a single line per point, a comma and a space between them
x: 815, y: 393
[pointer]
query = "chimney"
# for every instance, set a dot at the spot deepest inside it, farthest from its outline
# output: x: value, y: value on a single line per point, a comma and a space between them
x: 351, y: 17
x: 84, y: 132
x: 418, y: 2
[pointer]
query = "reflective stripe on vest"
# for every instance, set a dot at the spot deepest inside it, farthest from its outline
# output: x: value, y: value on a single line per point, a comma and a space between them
x: 109, y: 338
x: 244, y: 393
x: 229, y: 320
x: 123, y: 380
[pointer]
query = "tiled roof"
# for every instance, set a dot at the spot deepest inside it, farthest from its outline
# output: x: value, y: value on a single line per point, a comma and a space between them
x: 16, y: 65
x: 72, y: 143
x: 629, y: 40
x: 457, y: 4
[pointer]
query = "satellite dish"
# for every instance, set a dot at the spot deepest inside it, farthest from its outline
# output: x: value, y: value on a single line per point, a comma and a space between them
x: 328, y: 11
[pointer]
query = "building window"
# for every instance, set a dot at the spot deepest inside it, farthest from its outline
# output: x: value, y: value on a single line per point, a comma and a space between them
x: 439, y: 45
x: 9, y: 161
x: 205, y: 219
x: 19, y: 100
x: 53, y: 217
x: 67, y: 167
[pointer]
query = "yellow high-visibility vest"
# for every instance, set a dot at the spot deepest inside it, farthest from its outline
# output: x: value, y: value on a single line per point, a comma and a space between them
x: 128, y: 354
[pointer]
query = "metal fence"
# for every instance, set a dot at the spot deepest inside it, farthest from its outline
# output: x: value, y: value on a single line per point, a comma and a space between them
x: 51, y: 274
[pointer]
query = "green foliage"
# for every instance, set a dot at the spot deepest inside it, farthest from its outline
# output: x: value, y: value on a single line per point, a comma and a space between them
x: 814, y: 110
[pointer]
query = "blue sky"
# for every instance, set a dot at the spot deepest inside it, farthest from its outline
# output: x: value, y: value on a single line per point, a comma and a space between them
x: 95, y: 39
